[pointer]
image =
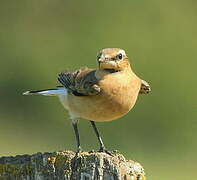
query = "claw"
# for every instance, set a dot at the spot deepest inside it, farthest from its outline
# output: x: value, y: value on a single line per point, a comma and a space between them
x: 104, y: 150
x: 92, y: 151
x: 79, y: 150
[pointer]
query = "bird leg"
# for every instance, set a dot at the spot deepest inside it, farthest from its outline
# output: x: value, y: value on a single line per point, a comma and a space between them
x: 79, y: 149
x: 102, y: 146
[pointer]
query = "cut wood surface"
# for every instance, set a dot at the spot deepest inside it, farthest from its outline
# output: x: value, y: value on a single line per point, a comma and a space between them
x: 67, y: 165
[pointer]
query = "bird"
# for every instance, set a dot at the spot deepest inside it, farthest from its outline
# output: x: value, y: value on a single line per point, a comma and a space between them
x: 103, y: 94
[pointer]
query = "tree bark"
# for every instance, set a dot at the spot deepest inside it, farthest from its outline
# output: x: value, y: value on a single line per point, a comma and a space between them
x: 68, y: 165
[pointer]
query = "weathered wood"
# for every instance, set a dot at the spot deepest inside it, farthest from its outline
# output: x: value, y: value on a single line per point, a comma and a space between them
x: 67, y: 165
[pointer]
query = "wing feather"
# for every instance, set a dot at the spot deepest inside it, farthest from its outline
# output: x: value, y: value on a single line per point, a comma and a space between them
x: 82, y: 82
x: 145, y: 88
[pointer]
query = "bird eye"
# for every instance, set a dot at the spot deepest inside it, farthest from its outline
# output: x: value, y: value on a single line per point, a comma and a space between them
x: 120, y: 56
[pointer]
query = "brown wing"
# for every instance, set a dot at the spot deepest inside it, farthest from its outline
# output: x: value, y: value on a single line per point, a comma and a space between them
x: 81, y: 82
x: 145, y: 88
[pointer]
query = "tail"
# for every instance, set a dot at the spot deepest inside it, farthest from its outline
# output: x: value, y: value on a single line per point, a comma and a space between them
x: 145, y: 88
x: 48, y: 92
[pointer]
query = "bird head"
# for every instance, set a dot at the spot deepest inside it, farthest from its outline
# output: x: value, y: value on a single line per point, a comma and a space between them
x: 112, y: 59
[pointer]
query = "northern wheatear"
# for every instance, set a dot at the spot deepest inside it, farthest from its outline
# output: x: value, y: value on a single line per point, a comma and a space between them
x: 103, y: 94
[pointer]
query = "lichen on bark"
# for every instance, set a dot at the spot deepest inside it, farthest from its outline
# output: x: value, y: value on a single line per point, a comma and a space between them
x: 67, y: 165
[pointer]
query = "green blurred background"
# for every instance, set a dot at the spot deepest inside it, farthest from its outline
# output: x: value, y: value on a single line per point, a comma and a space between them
x: 39, y: 39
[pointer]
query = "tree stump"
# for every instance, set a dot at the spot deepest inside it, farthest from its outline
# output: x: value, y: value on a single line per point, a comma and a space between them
x: 68, y: 165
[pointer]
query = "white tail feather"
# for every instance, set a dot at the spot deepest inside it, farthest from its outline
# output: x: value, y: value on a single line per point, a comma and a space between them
x: 48, y: 92
x: 61, y: 92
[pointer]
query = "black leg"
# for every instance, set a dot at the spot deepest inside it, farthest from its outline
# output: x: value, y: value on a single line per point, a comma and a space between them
x: 77, y: 136
x: 102, y: 146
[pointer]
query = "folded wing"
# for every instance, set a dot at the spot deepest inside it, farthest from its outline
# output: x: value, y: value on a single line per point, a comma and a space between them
x: 82, y: 82
x: 145, y: 88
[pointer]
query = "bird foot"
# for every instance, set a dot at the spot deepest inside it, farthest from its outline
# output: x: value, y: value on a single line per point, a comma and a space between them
x: 79, y: 150
x: 92, y: 151
x: 104, y: 150
x: 115, y: 151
